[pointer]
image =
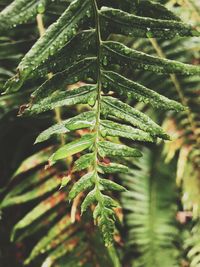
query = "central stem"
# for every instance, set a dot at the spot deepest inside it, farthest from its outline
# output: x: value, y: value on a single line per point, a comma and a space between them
x: 98, y: 101
x: 99, y: 85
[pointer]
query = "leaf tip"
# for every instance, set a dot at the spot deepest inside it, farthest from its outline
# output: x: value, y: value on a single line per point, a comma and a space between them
x: 38, y: 140
x: 195, y: 33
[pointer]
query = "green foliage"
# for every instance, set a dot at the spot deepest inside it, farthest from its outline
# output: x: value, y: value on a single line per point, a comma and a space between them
x: 64, y: 237
x: 78, y: 48
x: 183, y: 127
x: 81, y: 121
x: 192, y: 244
x: 74, y: 147
x: 149, y: 203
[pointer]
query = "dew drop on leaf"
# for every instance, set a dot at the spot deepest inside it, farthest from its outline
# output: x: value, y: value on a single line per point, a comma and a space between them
x: 41, y: 8
x: 105, y: 61
x: 88, y: 13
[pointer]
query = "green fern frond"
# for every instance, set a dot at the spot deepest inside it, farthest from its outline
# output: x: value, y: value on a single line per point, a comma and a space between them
x: 183, y: 126
x: 65, y: 243
x: 80, y: 36
x: 150, y: 212
x: 191, y: 244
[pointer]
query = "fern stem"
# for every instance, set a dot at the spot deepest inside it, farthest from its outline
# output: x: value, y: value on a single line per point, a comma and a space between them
x: 41, y: 29
x: 40, y: 24
x: 99, y: 196
x: 114, y: 257
x: 98, y: 101
x: 179, y: 90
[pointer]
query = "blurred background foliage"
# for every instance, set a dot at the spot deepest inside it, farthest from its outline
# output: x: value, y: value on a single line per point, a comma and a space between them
x: 160, y: 221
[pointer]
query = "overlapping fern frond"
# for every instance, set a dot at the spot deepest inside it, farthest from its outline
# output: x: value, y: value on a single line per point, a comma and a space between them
x: 184, y: 126
x: 65, y: 243
x: 191, y: 244
x: 76, y: 48
x: 150, y: 206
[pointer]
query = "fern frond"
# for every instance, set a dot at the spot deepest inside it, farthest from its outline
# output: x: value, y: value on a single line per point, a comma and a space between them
x: 11, y: 17
x: 184, y: 126
x: 150, y: 212
x: 191, y: 244
x: 79, y: 36
x: 65, y: 243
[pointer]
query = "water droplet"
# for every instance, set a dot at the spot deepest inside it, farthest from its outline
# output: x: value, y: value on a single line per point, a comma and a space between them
x: 73, y: 30
x: 105, y: 61
x: 88, y: 14
x: 51, y: 50
x: 106, y: 84
x: 40, y: 8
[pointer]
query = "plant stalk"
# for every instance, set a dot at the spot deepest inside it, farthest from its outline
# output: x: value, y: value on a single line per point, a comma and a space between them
x: 57, y: 111
x: 179, y: 90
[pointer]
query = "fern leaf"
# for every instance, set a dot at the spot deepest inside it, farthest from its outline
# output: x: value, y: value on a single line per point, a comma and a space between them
x: 112, y: 168
x: 73, y: 54
x: 191, y: 244
x: 47, y: 187
x: 154, y: 10
x: 10, y: 17
x: 53, y: 40
x: 89, y: 199
x: 123, y: 86
x: 81, y: 121
x: 40, y: 157
x: 115, y: 52
x: 107, y: 148
x: 70, y: 75
x: 83, y: 95
x: 45, y: 242
x: 32, y: 180
x: 109, y: 128
x: 83, y: 162
x: 150, y: 213
x: 83, y: 183
x: 121, y: 22
x: 63, y: 249
x: 110, y: 185
x: 105, y: 218
x: 37, y: 212
x: 56, y: 218
x: 74, y: 147
x: 115, y: 107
